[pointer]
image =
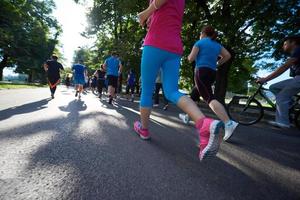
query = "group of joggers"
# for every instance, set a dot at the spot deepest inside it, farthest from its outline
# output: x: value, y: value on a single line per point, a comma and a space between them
x: 161, y: 56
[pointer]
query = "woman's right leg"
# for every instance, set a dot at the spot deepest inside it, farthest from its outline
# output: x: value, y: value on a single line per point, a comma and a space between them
x: 204, y: 78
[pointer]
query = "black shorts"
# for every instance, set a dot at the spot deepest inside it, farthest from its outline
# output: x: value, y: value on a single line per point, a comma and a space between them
x: 204, y: 79
x: 130, y: 88
x: 112, y: 81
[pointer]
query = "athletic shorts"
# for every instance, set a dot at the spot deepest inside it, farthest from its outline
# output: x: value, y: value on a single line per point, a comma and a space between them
x: 204, y: 79
x: 130, y: 88
x: 79, y: 81
x: 112, y: 81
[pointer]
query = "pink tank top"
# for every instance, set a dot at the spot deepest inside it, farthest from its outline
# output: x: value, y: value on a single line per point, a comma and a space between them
x: 165, y: 27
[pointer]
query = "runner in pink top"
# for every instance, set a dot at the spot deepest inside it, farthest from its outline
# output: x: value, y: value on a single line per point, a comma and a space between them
x: 162, y: 50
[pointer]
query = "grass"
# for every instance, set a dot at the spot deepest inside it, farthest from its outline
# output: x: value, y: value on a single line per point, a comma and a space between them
x: 6, y: 85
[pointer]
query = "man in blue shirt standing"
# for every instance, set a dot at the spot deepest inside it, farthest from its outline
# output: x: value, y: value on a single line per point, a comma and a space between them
x: 113, y: 68
x: 80, y: 73
x: 286, y: 89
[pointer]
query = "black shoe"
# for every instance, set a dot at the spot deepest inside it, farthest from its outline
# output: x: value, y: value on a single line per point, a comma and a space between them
x: 76, y: 94
x: 52, y: 96
x: 110, y: 100
x: 166, y: 107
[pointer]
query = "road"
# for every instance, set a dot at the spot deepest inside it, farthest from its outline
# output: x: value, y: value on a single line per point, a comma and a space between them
x: 70, y: 149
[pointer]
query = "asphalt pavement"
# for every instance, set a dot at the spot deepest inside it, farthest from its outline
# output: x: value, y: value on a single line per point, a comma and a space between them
x: 86, y: 149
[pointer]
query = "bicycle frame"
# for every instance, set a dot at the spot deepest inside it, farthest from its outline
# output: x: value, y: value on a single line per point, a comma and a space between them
x: 261, y: 93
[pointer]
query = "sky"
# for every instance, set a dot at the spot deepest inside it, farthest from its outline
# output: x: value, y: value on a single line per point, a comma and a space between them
x: 72, y: 18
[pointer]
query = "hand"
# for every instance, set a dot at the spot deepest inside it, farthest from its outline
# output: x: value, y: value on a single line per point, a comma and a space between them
x: 143, y: 17
x: 261, y: 80
x: 148, y: 23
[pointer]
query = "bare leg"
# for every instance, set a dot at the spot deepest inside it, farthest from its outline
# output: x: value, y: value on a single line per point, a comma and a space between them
x: 145, y: 115
x: 219, y: 110
x: 189, y: 107
x: 111, y: 91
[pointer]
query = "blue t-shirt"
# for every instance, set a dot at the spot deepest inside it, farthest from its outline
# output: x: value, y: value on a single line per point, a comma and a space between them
x: 295, y: 69
x: 112, y: 66
x: 209, y: 50
x: 78, y: 71
x: 131, y: 79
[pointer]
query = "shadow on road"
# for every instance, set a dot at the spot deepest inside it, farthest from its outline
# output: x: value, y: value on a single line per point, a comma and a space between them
x: 108, y: 161
x: 26, y: 108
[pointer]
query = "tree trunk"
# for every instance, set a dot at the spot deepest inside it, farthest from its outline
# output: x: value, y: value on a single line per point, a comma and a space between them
x: 3, y: 64
x: 222, y: 79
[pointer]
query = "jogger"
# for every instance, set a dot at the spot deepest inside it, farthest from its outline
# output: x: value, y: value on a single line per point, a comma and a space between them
x: 52, y: 67
x: 113, y: 69
x: 162, y: 50
x: 206, y: 52
x: 80, y: 72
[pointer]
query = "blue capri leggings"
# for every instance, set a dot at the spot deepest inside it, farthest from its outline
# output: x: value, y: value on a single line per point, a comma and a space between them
x: 152, y: 60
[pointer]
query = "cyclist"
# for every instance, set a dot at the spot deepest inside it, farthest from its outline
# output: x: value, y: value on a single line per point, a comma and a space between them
x: 286, y: 89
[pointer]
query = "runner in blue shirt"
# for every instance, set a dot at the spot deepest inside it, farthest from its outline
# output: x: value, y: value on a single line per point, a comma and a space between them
x: 206, y: 52
x: 113, y: 68
x: 130, y: 84
x: 80, y: 72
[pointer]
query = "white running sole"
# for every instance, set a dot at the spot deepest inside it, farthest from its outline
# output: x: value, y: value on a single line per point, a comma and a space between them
x: 213, y: 145
x: 227, y: 137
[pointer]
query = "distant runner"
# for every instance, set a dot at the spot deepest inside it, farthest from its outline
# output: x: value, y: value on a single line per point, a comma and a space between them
x: 113, y: 69
x: 80, y: 73
x: 52, y: 67
x: 130, y: 84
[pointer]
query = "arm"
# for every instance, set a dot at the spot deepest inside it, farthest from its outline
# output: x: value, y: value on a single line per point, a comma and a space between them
x: 85, y: 72
x: 290, y: 62
x: 128, y: 78
x: 62, y: 67
x: 46, y: 67
x: 104, y: 66
x: 193, y: 54
x: 155, y: 5
x: 120, y: 68
x: 225, y: 56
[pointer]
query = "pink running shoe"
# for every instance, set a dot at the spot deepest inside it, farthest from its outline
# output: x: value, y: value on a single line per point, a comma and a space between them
x: 210, y: 137
x: 143, y: 133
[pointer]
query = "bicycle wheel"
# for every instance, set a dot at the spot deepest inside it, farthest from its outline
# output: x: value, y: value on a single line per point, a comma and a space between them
x: 297, y: 119
x: 245, y: 112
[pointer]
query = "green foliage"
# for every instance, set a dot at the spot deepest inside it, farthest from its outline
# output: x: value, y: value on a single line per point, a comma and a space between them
x: 250, y: 30
x: 28, y: 34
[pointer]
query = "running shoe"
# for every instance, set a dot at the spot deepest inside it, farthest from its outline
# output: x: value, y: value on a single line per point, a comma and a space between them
x: 143, y: 133
x: 52, y: 96
x: 229, y: 129
x: 155, y: 105
x: 209, y: 135
x: 166, y: 107
x: 132, y: 98
x: 110, y: 100
x: 184, y: 117
x: 76, y: 93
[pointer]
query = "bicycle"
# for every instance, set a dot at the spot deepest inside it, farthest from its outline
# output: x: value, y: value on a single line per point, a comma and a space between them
x: 247, y: 110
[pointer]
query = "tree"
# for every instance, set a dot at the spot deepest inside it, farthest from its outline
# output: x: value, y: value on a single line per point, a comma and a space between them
x: 250, y: 30
x: 28, y: 35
